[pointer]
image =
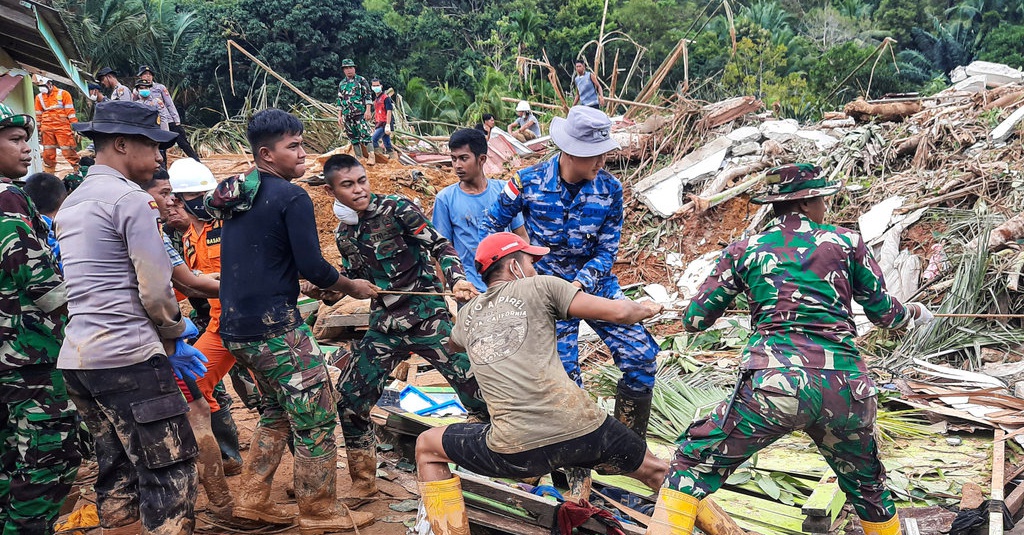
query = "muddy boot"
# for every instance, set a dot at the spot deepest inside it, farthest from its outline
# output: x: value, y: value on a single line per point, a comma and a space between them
x: 224, y: 429
x: 362, y: 468
x: 135, y: 528
x: 52, y: 169
x: 633, y: 409
x: 368, y: 157
x: 674, y: 513
x: 317, y: 493
x: 579, y: 484
x: 253, y: 501
x: 444, y: 507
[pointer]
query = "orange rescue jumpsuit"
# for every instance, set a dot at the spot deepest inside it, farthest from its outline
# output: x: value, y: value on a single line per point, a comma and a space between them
x: 55, y: 114
x: 202, y: 252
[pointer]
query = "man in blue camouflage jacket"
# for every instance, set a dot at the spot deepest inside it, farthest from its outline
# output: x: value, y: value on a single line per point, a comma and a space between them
x: 571, y: 205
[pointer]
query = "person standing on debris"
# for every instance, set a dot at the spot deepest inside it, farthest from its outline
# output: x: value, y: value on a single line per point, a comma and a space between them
x: 118, y: 91
x: 526, y: 126
x: 55, y: 113
x: 459, y: 207
x: 355, y: 109
x: 174, y: 125
x: 383, y: 107
x: 588, y: 88
x: 572, y: 205
x: 40, y: 457
x: 269, y: 239
x: 388, y: 240
x: 800, y: 368
x: 540, y: 419
x: 126, y: 339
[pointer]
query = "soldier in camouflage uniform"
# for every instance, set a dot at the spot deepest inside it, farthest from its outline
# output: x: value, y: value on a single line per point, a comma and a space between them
x: 800, y: 369
x: 355, y: 102
x: 39, y: 453
x: 574, y: 207
x: 391, y: 242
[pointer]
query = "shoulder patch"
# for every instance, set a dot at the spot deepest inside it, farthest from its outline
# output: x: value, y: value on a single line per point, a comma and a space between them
x: 153, y: 205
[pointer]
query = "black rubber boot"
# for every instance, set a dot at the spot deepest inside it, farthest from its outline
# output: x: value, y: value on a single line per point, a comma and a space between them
x: 633, y: 409
x: 226, y: 432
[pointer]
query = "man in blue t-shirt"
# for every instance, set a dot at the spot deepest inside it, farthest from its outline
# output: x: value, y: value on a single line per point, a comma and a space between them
x: 459, y: 207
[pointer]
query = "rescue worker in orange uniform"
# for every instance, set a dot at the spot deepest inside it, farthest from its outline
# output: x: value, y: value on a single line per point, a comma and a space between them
x: 55, y: 113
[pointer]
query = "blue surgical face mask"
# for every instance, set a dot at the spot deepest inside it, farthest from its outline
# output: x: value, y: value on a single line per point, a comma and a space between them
x: 144, y: 93
x: 376, y: 89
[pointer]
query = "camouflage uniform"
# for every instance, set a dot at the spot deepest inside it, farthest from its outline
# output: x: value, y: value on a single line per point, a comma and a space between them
x: 392, y: 247
x: 801, y: 368
x: 583, y: 233
x: 39, y: 454
x: 354, y: 95
x: 290, y: 371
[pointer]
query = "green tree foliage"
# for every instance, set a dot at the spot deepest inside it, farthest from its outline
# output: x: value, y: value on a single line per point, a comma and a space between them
x: 1005, y: 44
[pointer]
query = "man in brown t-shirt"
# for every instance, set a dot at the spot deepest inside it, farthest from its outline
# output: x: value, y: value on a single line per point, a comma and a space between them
x: 540, y: 419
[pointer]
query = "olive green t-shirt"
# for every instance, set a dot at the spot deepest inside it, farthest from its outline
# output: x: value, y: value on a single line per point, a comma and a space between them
x: 509, y: 335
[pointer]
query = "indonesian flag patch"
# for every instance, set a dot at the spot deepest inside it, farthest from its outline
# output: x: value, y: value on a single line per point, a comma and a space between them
x: 512, y: 187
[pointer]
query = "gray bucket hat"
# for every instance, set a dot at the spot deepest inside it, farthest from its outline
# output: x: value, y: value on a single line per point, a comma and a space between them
x: 585, y: 132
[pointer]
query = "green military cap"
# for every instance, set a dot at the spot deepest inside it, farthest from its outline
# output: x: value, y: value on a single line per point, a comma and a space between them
x: 347, y: 62
x: 796, y: 181
x: 8, y: 119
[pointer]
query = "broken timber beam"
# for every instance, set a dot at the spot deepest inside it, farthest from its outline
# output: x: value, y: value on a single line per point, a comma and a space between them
x: 731, y: 109
x: 824, y: 505
x: 995, y: 515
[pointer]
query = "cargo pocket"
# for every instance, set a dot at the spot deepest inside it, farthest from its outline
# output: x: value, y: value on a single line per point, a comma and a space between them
x: 778, y: 391
x: 389, y: 256
x: 51, y: 435
x: 164, y: 434
x: 308, y: 397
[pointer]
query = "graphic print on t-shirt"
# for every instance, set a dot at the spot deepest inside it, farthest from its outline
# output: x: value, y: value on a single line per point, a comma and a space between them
x: 498, y: 329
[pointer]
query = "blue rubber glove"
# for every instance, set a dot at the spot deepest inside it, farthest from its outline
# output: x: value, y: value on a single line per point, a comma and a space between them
x: 187, y: 360
x: 191, y: 331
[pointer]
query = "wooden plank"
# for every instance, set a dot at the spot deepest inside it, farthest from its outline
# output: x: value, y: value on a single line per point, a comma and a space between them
x: 347, y: 320
x: 505, y: 525
x: 540, y: 512
x: 827, y: 499
x: 995, y: 519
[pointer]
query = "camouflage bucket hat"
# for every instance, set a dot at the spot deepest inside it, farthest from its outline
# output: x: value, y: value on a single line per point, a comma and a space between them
x: 10, y: 119
x: 796, y: 181
x: 348, y: 63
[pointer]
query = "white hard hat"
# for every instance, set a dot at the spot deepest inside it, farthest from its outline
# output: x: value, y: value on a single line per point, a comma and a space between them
x: 42, y: 80
x: 523, y: 106
x: 190, y: 176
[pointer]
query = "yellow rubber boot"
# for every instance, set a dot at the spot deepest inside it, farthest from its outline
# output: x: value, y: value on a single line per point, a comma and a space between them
x: 674, y: 514
x: 889, y: 527
x: 446, y: 510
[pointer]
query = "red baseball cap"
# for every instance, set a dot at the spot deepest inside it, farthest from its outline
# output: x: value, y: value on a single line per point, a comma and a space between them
x: 501, y: 244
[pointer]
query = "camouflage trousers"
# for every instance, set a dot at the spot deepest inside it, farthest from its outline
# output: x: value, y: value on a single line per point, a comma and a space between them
x: 38, y: 449
x: 365, y: 371
x: 633, y: 348
x: 144, y: 445
x: 836, y: 408
x: 297, y: 395
x: 357, y: 129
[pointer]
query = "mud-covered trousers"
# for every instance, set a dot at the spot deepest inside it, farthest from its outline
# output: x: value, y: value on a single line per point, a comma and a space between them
x: 365, y: 372
x: 144, y: 445
x: 297, y: 395
x: 39, y: 453
x: 836, y: 408
x: 632, y: 346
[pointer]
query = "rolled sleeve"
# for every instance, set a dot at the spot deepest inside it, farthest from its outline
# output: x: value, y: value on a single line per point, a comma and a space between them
x: 53, y: 299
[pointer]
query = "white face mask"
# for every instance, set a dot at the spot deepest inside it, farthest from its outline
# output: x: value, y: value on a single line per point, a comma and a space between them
x: 44, y: 90
x: 345, y: 214
x: 92, y: 98
x: 512, y: 269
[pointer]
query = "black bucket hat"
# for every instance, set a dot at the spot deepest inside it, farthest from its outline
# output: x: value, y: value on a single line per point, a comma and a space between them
x: 129, y: 119
x: 103, y: 72
x: 145, y: 68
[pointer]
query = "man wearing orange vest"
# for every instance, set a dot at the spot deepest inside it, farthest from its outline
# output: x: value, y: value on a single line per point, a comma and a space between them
x: 55, y: 114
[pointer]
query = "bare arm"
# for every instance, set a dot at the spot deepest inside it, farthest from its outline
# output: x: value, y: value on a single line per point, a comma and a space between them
x: 623, y: 311
x: 192, y: 285
x: 521, y: 232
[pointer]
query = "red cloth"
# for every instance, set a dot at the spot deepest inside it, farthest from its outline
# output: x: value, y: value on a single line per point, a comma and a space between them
x: 571, y: 515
